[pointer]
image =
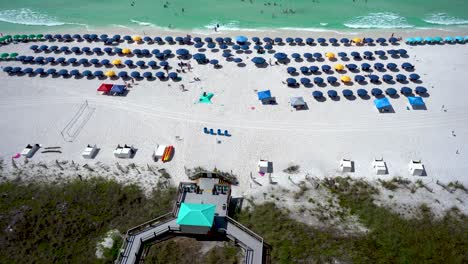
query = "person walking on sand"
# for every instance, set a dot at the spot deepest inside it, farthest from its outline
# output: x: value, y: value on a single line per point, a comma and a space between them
x: 189, y: 66
x: 133, y: 81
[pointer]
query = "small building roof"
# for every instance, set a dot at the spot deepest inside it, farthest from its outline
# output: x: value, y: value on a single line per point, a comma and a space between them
x: 382, y: 103
x: 192, y: 214
x: 297, y: 101
x: 415, y: 100
x: 264, y: 94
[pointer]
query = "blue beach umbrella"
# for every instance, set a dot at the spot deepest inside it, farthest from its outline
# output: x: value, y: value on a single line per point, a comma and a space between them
x: 342, y: 54
x: 87, y: 73
x: 164, y: 63
x: 135, y: 74
x: 155, y: 51
x: 365, y: 66
x: 199, y: 56
x: 387, y: 78
x: 400, y: 78
x: 380, y: 53
x: 64, y: 49
x: 179, y: 39
x: 167, y: 52
x: 21, y: 58
x: 420, y: 90
x: 237, y: 60
x: 94, y: 61
x: 393, y: 40
x: 321, y: 40
x: 367, y: 54
x: 351, y: 66
x: 332, y: 93
x: 50, y: 59
x: 169, y: 39
x: 309, y: 41
x: 256, y: 40
x: 314, y: 69
x: 71, y: 60
x: 48, y: 37
x: 305, y: 81
x: 381, y: 40
x: 437, y: 39
x: 368, y: 40
x: 317, y: 55
x: 58, y: 36
x: 280, y: 56
x: 172, y: 75
x: 361, y: 92
x: 245, y: 47
x: 347, y: 93
x: 86, y: 36
x: 83, y: 61
x: 108, y: 50
x: 97, y: 50
x: 182, y: 52
x: 93, y: 37
x: 304, y: 69
x: 258, y: 47
x: 379, y: 66
x: 60, y: 60
x: 128, y: 62
x: 406, y: 90
x: 74, y: 72
x: 227, y: 55
x: 104, y: 37
x: 29, y: 59
x: 344, y: 40
x: 326, y: 68
x: 291, y: 81
x: 308, y: 55
x: 448, y: 39
x: 298, y: 40
x: 75, y: 50
x: 407, y: 66
x: 391, y: 91
x: 278, y: 40
x: 289, y: 40
x: 63, y: 72
x: 77, y: 36
x: 147, y: 75
x: 53, y: 48
x: 428, y: 39
x: 267, y: 40
x: 223, y: 46
x: 291, y: 70
x: 147, y: 39
x: 16, y: 70
x: 7, y: 69
x: 219, y: 40
x: 318, y: 80
x: 235, y: 47
x: 198, y: 45
x: 34, y: 47
x: 87, y: 50
x: 116, y: 38
x: 355, y: 54
x: 392, y: 52
x: 212, y: 45
x: 136, y: 51
x: 160, y: 74
x: 214, y: 62
x: 333, y: 40
x: 418, y: 39
x: 332, y: 79
x: 51, y: 71
x: 409, y: 40
x: 459, y: 39
x: 158, y: 39
x: 376, y: 92
x: 241, y: 39
x: 391, y: 66
x: 296, y: 55
x: 359, y: 78
x: 317, y: 94
x: 39, y: 60
x: 152, y: 64
x: 123, y: 74
x: 402, y: 52
x: 373, y: 78
x: 414, y: 77
x: 227, y: 40
x: 98, y: 74
x: 268, y: 46
x: 258, y: 60
x: 43, y: 47
x: 197, y: 39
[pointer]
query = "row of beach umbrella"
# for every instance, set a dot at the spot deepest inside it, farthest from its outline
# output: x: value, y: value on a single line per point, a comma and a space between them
x: 436, y: 40
x: 406, y: 91
x: 23, y: 37
x: 98, y: 73
x: 357, y: 78
x: 108, y: 50
x: 340, y: 67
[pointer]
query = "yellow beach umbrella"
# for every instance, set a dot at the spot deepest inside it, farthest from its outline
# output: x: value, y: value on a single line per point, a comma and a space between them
x: 330, y: 55
x: 126, y: 51
x: 339, y: 67
x: 357, y: 40
x: 117, y: 62
x: 136, y: 38
x: 110, y: 73
x: 345, y: 78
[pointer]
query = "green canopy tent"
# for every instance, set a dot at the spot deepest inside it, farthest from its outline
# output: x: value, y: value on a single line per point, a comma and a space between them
x: 205, y: 98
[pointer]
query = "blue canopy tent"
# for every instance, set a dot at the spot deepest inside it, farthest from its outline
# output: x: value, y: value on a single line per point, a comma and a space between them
x: 359, y: 78
x: 304, y: 69
x: 147, y: 75
x: 347, y: 93
x: 123, y: 74
x: 305, y: 81
x: 118, y: 89
x: 391, y: 91
x: 376, y: 92
x: 291, y: 81
x: 332, y: 93
x: 382, y: 104
x: 264, y: 95
x: 280, y: 56
x: 420, y: 90
x: 414, y: 77
x: 406, y: 90
x: 258, y: 60
x: 387, y: 78
x: 317, y: 94
x: 391, y: 66
x: 314, y: 69
x: 241, y: 40
x: 351, y: 66
x: 135, y: 74
x: 361, y: 92
x: 326, y: 68
x: 400, y: 78
x: 318, y: 80
x: 160, y: 74
x: 332, y: 79
x: 416, y: 101
x: 291, y: 70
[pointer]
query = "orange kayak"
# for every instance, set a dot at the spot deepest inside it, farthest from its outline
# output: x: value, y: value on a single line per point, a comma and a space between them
x: 167, y: 153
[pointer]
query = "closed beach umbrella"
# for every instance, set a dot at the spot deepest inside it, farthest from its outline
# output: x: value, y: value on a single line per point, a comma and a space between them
x: 280, y: 56
x: 123, y: 74
x: 160, y: 74
x: 344, y: 40
x: 406, y: 90
x: 51, y: 71
x: 308, y: 55
x: 420, y: 90
x: 98, y: 73
x: 339, y: 67
x: 331, y: 79
x: 414, y: 77
x: 71, y: 60
x: 116, y: 62
x: 355, y: 54
x: 391, y: 66
x: 330, y: 55
x: 326, y: 68
x: 401, y: 77
x: 407, y: 66
x: 291, y: 70
x: 347, y: 93
x: 305, y: 81
x: 74, y: 72
x: 318, y: 80
x: 172, y: 75
x: 126, y: 51
x: 147, y: 75
x: 105, y: 62
x: 87, y: 73
x: 387, y: 78
x: 351, y: 66
x: 291, y: 81
x: 94, y: 61
x: 379, y: 66
x: 342, y: 54
x: 314, y: 69
x: 376, y: 92
x: 332, y: 93
x: 317, y: 94
x: 258, y: 60
x: 365, y: 66
x: 135, y: 74
x: 391, y: 91
x: 152, y: 64
x: 362, y: 92
x: 83, y: 61
x: 304, y: 69
x: 140, y: 63
x: 373, y: 78
x: 110, y: 73
x: 345, y: 79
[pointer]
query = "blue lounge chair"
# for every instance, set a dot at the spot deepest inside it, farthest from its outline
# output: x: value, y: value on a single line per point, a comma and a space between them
x: 212, y: 131
x: 226, y: 133
x: 219, y: 132
x: 205, y: 130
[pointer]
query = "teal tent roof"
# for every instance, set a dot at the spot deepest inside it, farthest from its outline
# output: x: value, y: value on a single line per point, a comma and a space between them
x: 196, y: 214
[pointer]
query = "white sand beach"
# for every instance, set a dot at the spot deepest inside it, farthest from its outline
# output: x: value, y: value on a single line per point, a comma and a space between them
x: 36, y: 109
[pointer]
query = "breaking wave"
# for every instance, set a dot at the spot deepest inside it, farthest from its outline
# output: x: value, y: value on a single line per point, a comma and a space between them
x: 444, y: 19
x: 25, y: 16
x: 378, y: 20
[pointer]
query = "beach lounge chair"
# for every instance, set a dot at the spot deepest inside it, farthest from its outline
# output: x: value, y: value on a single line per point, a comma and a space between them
x: 89, y: 152
x: 379, y: 166
x: 205, y: 130
x: 219, y: 132
x: 346, y: 165
x: 212, y: 132
x: 226, y: 133
x: 29, y: 150
x: 416, y: 168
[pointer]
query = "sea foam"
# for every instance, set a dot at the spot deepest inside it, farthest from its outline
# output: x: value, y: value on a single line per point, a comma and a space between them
x: 378, y: 20
x: 26, y: 16
x: 444, y: 19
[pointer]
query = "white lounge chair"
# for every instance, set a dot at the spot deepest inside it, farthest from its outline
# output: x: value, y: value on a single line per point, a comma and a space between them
x: 89, y: 152
x: 124, y: 152
x: 29, y: 150
x: 346, y: 165
x: 263, y: 166
x: 416, y: 168
x: 159, y: 152
x: 380, y: 166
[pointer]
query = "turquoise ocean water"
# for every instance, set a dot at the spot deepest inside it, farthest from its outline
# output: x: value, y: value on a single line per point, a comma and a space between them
x: 50, y: 15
